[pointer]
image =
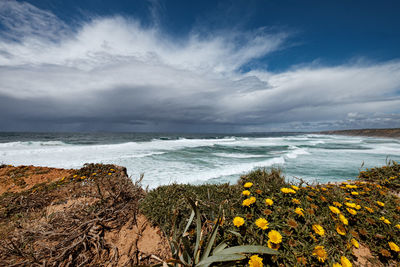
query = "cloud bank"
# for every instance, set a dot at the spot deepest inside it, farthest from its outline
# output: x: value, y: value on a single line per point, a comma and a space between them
x: 112, y: 73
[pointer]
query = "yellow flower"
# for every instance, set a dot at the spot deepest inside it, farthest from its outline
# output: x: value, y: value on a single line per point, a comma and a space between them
x: 262, y: 223
x: 287, y: 190
x: 275, y: 237
x: 109, y: 173
x: 351, y: 186
x: 384, y: 220
x: 246, y: 193
x: 299, y: 211
x: 355, y: 243
x: 255, y: 261
x: 380, y: 203
x: 398, y: 226
x: 351, y: 211
x: 354, y: 193
x: 62, y: 179
x: 75, y: 176
x: 345, y: 262
x: 238, y: 221
x: 350, y: 205
x: 248, y: 185
x: 320, y: 253
x: 340, y: 229
x: 337, y: 265
x: 337, y: 204
x: 295, y: 187
x: 370, y: 210
x: 394, y: 247
x: 334, y: 209
x: 248, y: 201
x: 269, y: 202
x: 296, y: 201
x: 324, y: 189
x: 112, y: 170
x: 343, y: 219
x: 318, y: 229
x: 358, y: 207
x: 94, y: 173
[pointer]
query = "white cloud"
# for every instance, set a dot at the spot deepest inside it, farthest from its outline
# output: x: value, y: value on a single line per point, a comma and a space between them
x: 115, y: 69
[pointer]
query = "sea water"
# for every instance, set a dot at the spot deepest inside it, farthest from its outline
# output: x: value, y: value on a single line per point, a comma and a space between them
x: 200, y: 158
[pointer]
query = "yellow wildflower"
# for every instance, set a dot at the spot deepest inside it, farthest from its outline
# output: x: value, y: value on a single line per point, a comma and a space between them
x: 334, y: 209
x: 337, y: 204
x: 318, y: 229
x: 248, y: 185
x: 287, y: 190
x: 384, y: 220
x: 94, y: 173
x: 380, y: 203
x: 350, y: 205
x: 112, y: 170
x: 340, y: 229
x: 269, y: 202
x: 262, y: 223
x: 238, y: 221
x: 275, y: 237
x: 109, y: 173
x: 398, y: 226
x: 62, y: 179
x: 296, y: 201
x: 337, y: 265
x: 351, y: 211
x: 75, y: 176
x: 394, y: 247
x: 343, y: 219
x: 255, y: 261
x: 248, y: 201
x: 355, y: 243
x: 299, y: 211
x: 345, y: 262
x: 369, y: 209
x: 246, y: 193
x: 358, y: 207
x: 354, y: 193
x: 320, y: 253
x: 351, y: 186
x: 295, y: 187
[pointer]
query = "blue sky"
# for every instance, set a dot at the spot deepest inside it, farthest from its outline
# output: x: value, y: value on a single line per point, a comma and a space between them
x: 199, y: 66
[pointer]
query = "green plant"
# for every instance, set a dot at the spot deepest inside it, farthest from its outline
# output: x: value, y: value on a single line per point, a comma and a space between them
x: 184, y: 254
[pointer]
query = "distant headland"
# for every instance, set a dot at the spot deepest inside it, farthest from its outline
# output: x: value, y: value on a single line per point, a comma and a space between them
x: 388, y: 133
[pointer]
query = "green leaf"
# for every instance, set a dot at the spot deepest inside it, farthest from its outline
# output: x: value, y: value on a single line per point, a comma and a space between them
x: 189, y: 222
x: 235, y: 233
x: 221, y: 258
x: 210, y: 242
x: 195, y: 208
x: 248, y: 249
x: 220, y: 247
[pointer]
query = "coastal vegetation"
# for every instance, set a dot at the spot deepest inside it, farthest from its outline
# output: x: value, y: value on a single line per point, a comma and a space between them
x: 95, y: 216
x: 352, y: 222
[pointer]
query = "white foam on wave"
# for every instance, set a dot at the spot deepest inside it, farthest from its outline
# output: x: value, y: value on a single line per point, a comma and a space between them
x: 30, y: 144
x: 202, y: 175
x: 238, y: 155
x: 296, y: 152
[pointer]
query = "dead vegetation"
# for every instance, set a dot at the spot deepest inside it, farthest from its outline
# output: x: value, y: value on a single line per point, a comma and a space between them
x: 78, y: 220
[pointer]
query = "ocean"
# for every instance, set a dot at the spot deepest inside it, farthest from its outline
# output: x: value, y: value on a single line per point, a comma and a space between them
x: 203, y: 158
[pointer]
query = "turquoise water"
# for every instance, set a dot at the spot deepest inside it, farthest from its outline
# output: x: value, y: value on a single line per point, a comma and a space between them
x: 198, y: 158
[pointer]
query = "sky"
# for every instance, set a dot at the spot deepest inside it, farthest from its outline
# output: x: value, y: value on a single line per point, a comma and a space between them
x: 199, y: 66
